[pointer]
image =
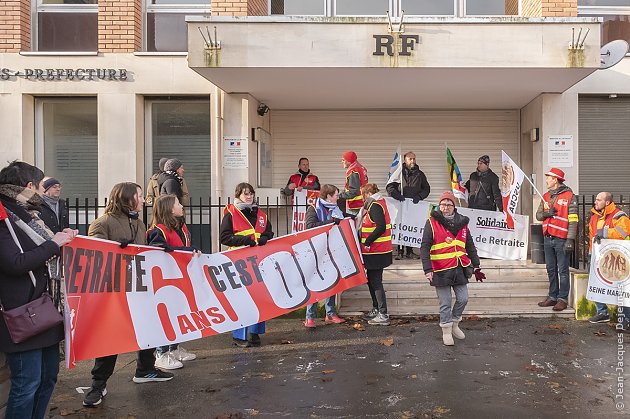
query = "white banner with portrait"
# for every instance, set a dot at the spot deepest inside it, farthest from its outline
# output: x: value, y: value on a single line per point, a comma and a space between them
x: 609, y: 276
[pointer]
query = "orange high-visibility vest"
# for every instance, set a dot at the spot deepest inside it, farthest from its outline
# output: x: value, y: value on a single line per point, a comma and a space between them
x: 611, y: 218
x: 383, y: 244
x: 241, y: 225
x: 558, y: 225
x: 357, y: 202
x: 447, y: 252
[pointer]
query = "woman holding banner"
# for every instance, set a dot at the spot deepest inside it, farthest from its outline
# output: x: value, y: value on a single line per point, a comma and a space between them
x: 449, y: 258
x: 244, y: 224
x: 324, y: 211
x: 374, y: 227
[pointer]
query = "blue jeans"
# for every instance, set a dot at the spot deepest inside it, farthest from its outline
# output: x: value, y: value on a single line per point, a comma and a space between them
x: 311, y: 309
x: 33, y: 379
x: 602, y: 308
x: 557, y: 268
x: 166, y: 348
x: 258, y: 328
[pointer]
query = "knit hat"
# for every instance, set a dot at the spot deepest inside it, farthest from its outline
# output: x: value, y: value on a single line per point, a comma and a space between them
x: 172, y: 165
x: 350, y: 156
x: 485, y: 159
x: 557, y: 173
x: 447, y: 195
x: 162, y: 162
x: 50, y: 182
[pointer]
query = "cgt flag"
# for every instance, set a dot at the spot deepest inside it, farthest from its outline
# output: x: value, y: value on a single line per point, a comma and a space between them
x: 512, y: 178
x: 455, y: 177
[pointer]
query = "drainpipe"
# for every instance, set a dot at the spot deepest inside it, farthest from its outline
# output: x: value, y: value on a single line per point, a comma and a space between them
x: 217, y: 142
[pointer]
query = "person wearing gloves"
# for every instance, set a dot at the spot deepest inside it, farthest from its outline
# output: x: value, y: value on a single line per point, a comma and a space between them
x: 375, y: 232
x: 324, y: 211
x: 558, y: 212
x: 244, y: 224
x: 449, y: 259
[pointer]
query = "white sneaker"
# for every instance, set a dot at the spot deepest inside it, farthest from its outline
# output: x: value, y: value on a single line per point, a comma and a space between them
x: 167, y: 361
x: 182, y: 354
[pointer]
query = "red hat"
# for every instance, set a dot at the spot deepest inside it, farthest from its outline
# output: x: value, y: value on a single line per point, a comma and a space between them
x: 557, y: 173
x: 447, y: 195
x: 350, y: 156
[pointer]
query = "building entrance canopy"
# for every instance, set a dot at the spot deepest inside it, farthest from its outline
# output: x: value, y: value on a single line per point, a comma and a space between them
x: 357, y: 63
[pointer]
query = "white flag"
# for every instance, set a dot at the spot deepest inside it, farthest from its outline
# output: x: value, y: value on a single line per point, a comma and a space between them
x: 511, y: 185
x: 395, y: 170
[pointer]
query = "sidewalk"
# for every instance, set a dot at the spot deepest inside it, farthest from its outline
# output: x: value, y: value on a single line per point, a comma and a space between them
x: 505, y: 368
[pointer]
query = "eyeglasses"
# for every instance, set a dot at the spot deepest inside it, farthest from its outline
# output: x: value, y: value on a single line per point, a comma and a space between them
x: 447, y: 205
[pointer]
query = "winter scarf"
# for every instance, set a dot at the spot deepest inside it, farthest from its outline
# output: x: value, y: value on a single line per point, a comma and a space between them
x: 178, y: 177
x: 366, y: 205
x: 327, y: 210
x: 242, y: 205
x: 53, y: 203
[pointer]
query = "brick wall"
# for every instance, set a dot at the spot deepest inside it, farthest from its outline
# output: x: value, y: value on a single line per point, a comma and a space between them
x: 15, y: 25
x: 230, y: 8
x: 531, y: 8
x: 119, y: 25
x: 559, y: 8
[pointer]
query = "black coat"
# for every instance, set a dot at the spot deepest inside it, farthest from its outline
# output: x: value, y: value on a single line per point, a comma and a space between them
x: 54, y: 223
x: 459, y: 275
x: 382, y: 260
x: 484, y: 192
x: 16, y: 288
x: 169, y: 184
x: 414, y: 185
x: 226, y: 232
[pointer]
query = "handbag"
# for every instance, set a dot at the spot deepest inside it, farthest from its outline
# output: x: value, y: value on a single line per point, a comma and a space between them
x: 32, y: 318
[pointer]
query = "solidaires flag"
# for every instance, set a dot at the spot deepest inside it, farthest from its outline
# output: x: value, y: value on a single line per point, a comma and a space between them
x: 512, y: 178
x: 455, y: 177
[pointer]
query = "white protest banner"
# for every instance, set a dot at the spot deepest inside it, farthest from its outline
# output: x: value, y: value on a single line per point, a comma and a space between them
x: 609, y: 276
x: 493, y: 238
x: 301, y: 200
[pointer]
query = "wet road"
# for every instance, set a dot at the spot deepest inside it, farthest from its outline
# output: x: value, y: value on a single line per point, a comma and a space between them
x: 505, y: 368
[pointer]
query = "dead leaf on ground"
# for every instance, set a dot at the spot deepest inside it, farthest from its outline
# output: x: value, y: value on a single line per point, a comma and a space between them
x: 553, y: 384
x: 252, y: 412
x: 263, y: 375
x: 472, y: 318
x: 440, y: 410
x: 414, y: 376
x: 329, y: 371
x: 286, y: 342
x: 397, y: 322
x: 534, y: 368
x: 599, y: 333
x: 359, y: 327
x: 387, y: 342
x: 555, y: 326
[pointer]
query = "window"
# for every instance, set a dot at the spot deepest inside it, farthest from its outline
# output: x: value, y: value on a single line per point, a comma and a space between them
x: 492, y: 8
x: 181, y: 129
x: 616, y: 16
x: 166, y: 29
x: 298, y: 7
x: 428, y: 7
x: 66, y: 25
x: 362, y: 7
x: 67, y: 144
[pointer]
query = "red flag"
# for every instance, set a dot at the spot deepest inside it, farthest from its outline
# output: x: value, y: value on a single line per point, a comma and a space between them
x: 3, y: 213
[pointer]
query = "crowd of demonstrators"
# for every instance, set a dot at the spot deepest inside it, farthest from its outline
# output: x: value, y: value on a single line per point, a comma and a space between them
x: 303, y: 179
x: 29, y: 252
x: 375, y: 232
x: 121, y: 223
x: 244, y: 224
x: 558, y: 212
x: 54, y: 213
x: 356, y: 177
x: 324, y: 211
x: 608, y: 222
x: 449, y: 259
x: 169, y: 231
x: 483, y: 187
x: 413, y: 185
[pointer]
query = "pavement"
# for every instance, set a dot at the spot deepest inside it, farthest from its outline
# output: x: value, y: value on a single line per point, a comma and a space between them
x: 505, y: 368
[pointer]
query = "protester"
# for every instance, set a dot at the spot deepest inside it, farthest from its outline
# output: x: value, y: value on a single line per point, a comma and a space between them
x: 54, y: 213
x: 121, y: 223
x: 374, y: 227
x: 303, y: 179
x: 33, y: 363
x: 244, y: 224
x: 483, y: 187
x: 449, y: 259
x: 324, y: 211
x: 414, y: 185
x: 171, y: 181
x: 169, y: 231
x: 559, y: 215
x: 608, y: 222
x: 153, y: 188
x: 356, y: 177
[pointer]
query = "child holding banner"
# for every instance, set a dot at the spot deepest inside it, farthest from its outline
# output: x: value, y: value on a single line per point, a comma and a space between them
x: 324, y: 211
x: 244, y: 224
x: 168, y: 230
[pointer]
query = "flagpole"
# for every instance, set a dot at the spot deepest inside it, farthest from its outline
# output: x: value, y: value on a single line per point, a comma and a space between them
x: 546, y: 204
x: 400, y: 163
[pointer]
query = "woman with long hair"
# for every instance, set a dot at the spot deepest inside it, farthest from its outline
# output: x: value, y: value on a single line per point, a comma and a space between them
x: 244, y: 224
x: 324, y: 211
x: 169, y: 231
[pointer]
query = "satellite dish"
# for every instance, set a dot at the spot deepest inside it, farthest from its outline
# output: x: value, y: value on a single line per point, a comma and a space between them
x: 612, y: 53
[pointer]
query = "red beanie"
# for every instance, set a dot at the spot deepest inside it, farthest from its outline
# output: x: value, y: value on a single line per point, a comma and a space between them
x: 447, y: 195
x: 350, y: 156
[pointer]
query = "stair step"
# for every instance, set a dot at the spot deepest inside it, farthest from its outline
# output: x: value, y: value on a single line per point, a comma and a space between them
x: 471, y: 310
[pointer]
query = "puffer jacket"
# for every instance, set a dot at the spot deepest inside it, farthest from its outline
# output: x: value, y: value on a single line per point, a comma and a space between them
x: 414, y: 185
x: 484, y: 192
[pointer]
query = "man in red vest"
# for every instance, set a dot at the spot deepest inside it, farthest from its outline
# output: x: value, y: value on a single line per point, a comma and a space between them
x: 559, y: 215
x: 303, y: 179
x: 608, y: 222
x: 356, y: 176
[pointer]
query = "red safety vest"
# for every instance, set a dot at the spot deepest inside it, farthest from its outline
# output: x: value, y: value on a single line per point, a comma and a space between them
x: 357, y: 202
x: 241, y: 225
x: 308, y: 180
x: 383, y: 244
x: 172, y: 237
x: 558, y: 225
x: 447, y: 252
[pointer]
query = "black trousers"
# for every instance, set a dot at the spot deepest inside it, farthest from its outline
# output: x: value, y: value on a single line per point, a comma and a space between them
x: 104, y: 367
x: 377, y: 292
